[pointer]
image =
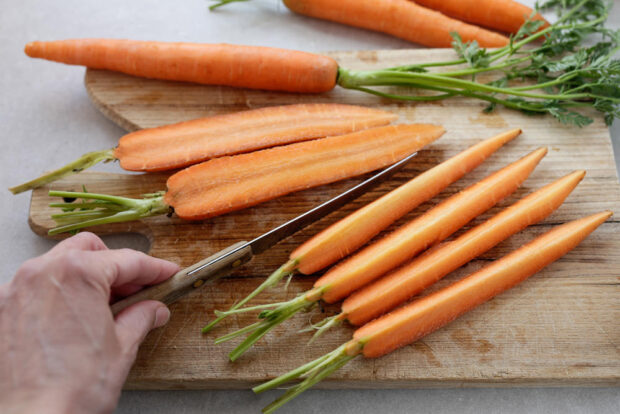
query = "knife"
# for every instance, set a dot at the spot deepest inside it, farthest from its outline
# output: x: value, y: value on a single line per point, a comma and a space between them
x: 225, y: 261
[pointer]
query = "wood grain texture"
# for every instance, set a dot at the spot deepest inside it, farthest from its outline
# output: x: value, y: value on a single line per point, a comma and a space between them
x: 558, y: 328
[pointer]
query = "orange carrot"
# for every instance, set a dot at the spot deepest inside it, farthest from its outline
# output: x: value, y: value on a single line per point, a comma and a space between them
x: 251, y: 67
x: 234, y: 182
x: 347, y: 235
x: 393, y: 250
x: 399, y: 18
x: 352, y: 232
x: 504, y: 15
x: 429, y: 313
x: 188, y: 143
x: 425, y: 231
x: 410, y: 323
x: 179, y: 145
x: 206, y: 189
x: 398, y: 286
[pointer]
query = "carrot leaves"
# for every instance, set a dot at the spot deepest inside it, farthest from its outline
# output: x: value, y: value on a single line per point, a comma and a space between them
x: 565, y: 70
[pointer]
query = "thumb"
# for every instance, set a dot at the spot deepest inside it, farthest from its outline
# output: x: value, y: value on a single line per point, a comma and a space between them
x: 134, y: 322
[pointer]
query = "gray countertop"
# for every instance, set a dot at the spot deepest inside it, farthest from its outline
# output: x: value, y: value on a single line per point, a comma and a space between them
x: 47, y: 120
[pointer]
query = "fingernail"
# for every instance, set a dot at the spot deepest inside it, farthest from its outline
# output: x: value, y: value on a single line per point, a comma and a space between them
x: 162, y: 315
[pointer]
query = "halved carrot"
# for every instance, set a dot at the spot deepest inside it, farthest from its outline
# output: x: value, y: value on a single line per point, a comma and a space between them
x: 207, y: 189
x: 398, y: 286
x: 420, y: 318
x: 504, y: 15
x: 425, y: 231
x: 347, y: 235
x: 179, y: 145
x: 352, y: 232
x: 394, y: 249
x: 234, y: 182
x: 399, y: 328
x: 253, y: 67
x: 188, y: 143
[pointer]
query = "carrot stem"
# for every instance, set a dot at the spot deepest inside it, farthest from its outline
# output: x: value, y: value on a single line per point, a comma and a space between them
x: 237, y: 333
x: 221, y: 3
x: 286, y: 269
x: 85, y: 161
x: 324, y: 326
x: 315, y: 371
x: 352, y: 79
x: 296, y: 373
x: 271, y: 319
x: 104, y: 209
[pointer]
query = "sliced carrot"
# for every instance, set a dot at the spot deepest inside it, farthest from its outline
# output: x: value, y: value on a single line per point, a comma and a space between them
x: 252, y: 67
x: 230, y: 183
x: 179, y: 145
x: 352, y: 232
x: 391, y: 251
x: 428, y: 314
x: 400, y: 18
x: 504, y: 15
x: 234, y: 182
x: 420, y: 318
x: 425, y: 231
x: 398, y: 286
x: 347, y: 235
x: 187, y: 143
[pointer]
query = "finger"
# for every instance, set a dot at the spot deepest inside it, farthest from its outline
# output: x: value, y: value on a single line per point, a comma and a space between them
x: 82, y: 241
x: 134, y: 322
x: 126, y: 290
x: 126, y: 266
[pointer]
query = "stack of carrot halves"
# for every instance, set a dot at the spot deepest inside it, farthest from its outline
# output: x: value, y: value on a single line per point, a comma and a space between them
x: 231, y: 165
x: 387, y: 273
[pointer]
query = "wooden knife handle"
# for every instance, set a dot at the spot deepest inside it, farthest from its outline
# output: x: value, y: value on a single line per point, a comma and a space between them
x: 181, y: 283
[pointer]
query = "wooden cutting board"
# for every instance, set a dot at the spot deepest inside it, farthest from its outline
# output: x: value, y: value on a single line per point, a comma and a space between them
x: 561, y: 327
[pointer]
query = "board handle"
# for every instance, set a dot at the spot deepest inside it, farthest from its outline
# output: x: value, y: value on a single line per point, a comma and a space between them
x: 182, y: 283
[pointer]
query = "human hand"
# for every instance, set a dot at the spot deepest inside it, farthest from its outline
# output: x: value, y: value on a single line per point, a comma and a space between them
x: 61, y: 350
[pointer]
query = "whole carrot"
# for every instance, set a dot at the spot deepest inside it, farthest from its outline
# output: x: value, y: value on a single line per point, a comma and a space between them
x: 234, y: 182
x: 400, y: 18
x: 352, y: 232
x: 253, y: 67
x: 504, y: 15
x: 557, y: 88
x: 393, y: 250
x: 185, y: 143
x: 422, y: 317
x: 409, y: 280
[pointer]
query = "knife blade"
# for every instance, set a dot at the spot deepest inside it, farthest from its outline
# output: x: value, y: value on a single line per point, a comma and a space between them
x: 226, y: 260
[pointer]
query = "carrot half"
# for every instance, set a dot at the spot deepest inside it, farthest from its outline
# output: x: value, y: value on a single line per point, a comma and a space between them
x: 231, y: 183
x: 504, y: 15
x: 398, y: 286
x: 399, y: 246
x: 352, y: 232
x: 253, y: 67
x: 422, y: 317
x: 425, y: 231
x: 185, y: 143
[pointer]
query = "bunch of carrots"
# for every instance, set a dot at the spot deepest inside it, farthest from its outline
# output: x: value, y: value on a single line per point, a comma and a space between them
x: 562, y: 76
x: 387, y: 273
x: 426, y: 22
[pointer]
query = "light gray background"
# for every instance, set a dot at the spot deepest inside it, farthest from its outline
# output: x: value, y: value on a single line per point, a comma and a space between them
x: 46, y: 120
